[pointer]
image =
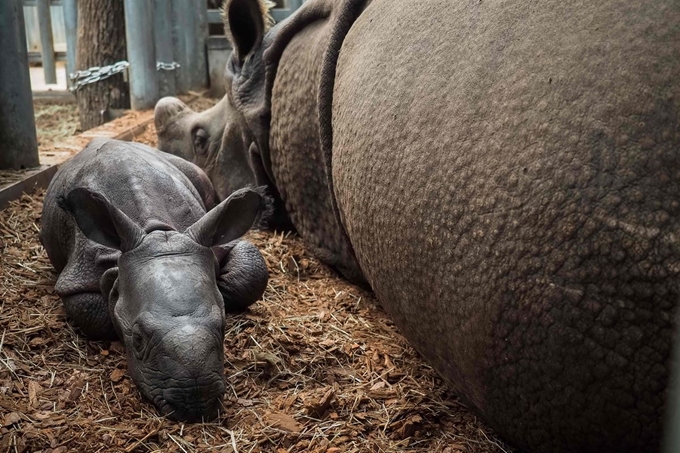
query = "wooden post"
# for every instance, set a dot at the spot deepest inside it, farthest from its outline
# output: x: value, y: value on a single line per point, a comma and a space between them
x: 46, y: 41
x: 139, y: 20
x: 164, y: 53
x: 200, y: 73
x: 71, y: 25
x: 190, y: 30
x: 98, y: 101
x: 18, y: 141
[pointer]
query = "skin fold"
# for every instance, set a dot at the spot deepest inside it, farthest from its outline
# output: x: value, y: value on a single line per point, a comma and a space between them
x: 289, y: 160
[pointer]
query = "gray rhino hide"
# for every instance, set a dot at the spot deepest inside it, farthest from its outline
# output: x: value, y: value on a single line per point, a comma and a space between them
x: 180, y: 268
x: 508, y: 174
x: 505, y: 176
x: 297, y: 162
x: 72, y: 254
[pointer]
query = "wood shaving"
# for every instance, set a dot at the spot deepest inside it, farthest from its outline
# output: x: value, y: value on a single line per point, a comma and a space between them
x: 316, y: 366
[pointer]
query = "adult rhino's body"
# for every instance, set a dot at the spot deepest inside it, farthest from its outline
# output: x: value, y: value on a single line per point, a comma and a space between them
x: 507, y: 174
x: 536, y: 148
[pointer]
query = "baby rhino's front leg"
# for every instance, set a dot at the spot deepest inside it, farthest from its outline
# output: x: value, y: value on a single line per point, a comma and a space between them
x: 243, y: 276
x: 90, y: 313
x: 79, y: 286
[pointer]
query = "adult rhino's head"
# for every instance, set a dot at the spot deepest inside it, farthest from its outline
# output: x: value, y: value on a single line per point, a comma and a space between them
x: 211, y: 139
x: 164, y: 298
x: 230, y: 140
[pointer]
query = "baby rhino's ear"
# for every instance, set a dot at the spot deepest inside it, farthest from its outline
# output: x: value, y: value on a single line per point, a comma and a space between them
x: 230, y: 219
x: 100, y: 221
x: 244, y: 25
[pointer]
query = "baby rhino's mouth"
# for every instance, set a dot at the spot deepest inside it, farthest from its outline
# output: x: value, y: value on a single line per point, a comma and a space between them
x: 195, y: 403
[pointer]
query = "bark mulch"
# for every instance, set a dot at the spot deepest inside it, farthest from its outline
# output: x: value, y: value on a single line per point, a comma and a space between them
x: 316, y: 366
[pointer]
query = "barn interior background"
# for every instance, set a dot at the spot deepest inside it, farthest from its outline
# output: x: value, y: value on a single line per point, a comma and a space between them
x: 173, y: 48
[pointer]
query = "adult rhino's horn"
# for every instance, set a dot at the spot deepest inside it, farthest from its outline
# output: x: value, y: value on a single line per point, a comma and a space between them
x: 100, y: 221
x: 230, y: 219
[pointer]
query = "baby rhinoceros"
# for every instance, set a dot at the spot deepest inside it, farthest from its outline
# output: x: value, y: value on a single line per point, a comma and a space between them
x: 139, y: 258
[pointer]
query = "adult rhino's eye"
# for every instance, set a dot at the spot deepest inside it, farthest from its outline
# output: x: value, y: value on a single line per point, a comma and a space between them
x: 200, y: 137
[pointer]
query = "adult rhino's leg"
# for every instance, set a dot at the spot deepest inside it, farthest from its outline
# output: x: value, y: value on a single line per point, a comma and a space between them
x: 508, y: 174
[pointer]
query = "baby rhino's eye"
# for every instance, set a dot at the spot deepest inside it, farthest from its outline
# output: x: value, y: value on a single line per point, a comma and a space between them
x: 138, y: 341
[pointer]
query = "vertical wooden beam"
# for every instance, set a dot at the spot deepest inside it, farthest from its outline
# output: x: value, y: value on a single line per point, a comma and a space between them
x: 200, y: 73
x: 164, y: 52
x: 180, y: 30
x: 46, y: 41
x: 71, y: 25
x: 18, y: 141
x: 101, y: 42
x: 139, y: 33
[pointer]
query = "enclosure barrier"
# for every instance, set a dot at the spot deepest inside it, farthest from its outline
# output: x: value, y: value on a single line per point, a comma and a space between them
x: 167, y: 84
x: 168, y: 45
x: 46, y: 41
x: 18, y: 141
x: 141, y: 55
x: 71, y: 26
x: 163, y: 34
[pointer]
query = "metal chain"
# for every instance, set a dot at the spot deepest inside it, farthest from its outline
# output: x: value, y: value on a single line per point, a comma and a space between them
x: 167, y: 66
x: 96, y: 73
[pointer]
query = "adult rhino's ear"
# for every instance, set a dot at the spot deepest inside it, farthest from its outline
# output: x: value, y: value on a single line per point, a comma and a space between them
x: 230, y: 219
x: 100, y: 221
x: 244, y: 25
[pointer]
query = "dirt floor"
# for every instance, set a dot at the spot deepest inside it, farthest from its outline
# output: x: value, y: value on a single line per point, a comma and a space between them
x: 55, y: 122
x: 315, y: 366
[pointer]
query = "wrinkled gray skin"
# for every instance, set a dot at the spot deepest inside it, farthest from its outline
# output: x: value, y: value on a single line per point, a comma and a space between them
x: 508, y: 176
x: 212, y: 139
x: 138, y: 258
x: 220, y: 140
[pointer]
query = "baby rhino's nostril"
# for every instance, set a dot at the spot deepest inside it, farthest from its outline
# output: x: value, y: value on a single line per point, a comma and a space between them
x: 198, y: 403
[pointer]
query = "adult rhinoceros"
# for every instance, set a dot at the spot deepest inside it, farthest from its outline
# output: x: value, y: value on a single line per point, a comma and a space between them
x: 504, y: 174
